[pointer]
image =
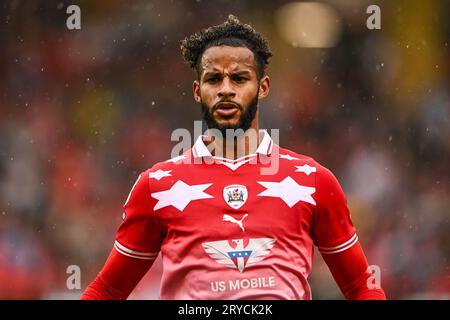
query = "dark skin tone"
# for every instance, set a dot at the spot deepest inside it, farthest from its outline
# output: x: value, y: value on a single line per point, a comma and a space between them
x: 228, y: 82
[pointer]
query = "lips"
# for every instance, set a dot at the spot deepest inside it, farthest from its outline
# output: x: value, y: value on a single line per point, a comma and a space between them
x: 227, y: 109
x: 226, y: 105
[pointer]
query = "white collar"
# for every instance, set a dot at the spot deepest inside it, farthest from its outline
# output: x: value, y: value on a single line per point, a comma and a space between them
x: 199, y: 149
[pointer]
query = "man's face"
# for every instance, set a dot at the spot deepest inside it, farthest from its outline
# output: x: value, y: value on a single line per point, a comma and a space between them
x: 228, y: 88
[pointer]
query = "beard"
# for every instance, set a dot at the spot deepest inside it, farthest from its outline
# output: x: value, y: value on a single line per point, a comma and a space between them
x: 245, y: 120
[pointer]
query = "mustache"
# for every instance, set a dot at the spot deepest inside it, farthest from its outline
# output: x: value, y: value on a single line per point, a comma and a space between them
x: 216, y: 106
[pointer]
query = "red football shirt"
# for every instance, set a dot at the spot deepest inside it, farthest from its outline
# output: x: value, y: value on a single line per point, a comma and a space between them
x: 228, y: 230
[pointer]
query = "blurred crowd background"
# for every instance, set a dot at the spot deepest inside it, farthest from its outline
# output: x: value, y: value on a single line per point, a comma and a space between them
x: 83, y: 112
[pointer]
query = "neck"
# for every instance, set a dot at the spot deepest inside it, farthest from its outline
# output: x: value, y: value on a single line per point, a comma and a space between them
x: 235, y: 146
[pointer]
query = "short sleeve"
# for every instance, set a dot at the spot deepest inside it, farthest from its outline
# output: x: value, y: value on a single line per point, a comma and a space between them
x: 138, y: 235
x: 333, y: 230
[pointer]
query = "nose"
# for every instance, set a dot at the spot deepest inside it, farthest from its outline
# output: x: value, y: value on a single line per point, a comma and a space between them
x: 227, y: 89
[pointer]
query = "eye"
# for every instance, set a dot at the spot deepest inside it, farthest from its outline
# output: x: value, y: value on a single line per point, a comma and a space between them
x: 212, y: 80
x: 239, y: 79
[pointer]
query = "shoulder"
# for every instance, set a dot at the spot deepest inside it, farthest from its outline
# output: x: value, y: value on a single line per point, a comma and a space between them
x: 321, y: 176
x: 308, y: 163
x: 166, y: 168
x: 328, y: 193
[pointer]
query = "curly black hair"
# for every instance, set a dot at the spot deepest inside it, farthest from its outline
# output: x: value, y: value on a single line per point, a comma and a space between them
x: 231, y: 33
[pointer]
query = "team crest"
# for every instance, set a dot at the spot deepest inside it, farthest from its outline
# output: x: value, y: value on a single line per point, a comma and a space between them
x: 239, y: 254
x: 235, y: 195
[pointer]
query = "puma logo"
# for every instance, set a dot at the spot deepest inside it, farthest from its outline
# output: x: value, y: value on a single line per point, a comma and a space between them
x: 233, y: 220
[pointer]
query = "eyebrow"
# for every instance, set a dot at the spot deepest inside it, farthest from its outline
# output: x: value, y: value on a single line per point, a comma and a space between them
x: 237, y: 73
x: 241, y: 73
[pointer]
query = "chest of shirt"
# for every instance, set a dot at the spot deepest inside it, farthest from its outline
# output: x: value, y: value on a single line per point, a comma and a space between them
x: 213, y: 202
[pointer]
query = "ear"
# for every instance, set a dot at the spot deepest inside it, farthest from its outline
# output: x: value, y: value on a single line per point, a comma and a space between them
x: 196, y: 90
x: 264, y: 85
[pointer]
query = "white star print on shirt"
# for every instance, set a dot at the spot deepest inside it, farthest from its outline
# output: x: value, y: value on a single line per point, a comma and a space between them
x: 288, y: 157
x: 306, y: 169
x: 289, y: 191
x: 180, y: 194
x: 159, y: 174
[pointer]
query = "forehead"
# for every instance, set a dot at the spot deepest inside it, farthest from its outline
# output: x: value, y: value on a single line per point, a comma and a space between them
x: 227, y: 58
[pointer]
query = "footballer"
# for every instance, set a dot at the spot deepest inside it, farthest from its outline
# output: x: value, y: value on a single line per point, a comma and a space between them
x: 224, y: 229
